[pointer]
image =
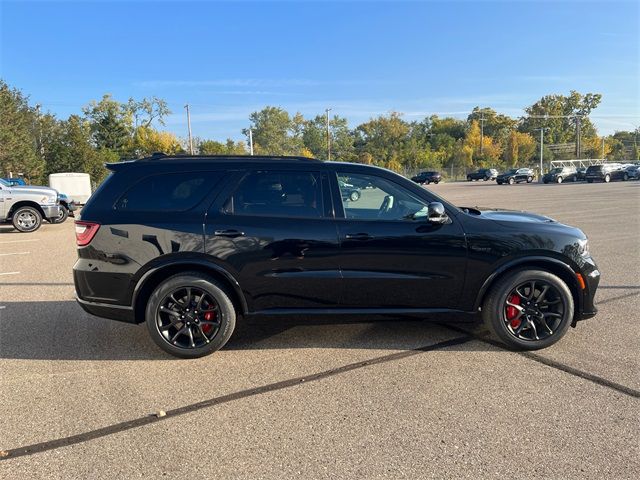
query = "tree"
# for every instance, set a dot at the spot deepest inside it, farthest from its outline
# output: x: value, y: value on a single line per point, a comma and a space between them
x: 146, y: 111
x: 273, y: 132
x: 111, y: 124
x: 314, y: 137
x: 484, y: 150
x: 496, y: 125
x: 383, y: 137
x: 520, y: 149
x: 147, y: 140
x: 558, y: 113
x: 18, y: 135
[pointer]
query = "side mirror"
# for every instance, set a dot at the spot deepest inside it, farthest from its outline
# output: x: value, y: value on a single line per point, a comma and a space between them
x: 436, y: 213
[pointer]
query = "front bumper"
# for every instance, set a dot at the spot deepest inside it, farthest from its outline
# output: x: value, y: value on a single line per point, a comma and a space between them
x: 50, y: 211
x: 591, y: 275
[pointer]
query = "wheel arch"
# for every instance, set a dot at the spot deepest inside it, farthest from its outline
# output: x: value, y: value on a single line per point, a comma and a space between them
x: 551, y: 265
x: 152, y: 278
x: 25, y: 203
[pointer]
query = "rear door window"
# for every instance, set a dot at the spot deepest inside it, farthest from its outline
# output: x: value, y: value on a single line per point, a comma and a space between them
x: 169, y: 192
x: 277, y: 194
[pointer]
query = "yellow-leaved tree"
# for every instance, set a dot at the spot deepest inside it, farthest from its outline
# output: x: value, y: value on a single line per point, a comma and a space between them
x: 521, y: 148
x: 486, y: 151
x: 148, y: 140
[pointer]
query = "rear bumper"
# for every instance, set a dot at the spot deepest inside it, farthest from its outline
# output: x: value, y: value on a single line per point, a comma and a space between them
x: 105, y: 310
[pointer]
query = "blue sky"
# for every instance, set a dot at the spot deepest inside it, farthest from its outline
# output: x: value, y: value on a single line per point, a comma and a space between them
x: 362, y: 59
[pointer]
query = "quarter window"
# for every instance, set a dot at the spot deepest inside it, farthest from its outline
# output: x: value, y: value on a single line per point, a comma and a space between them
x: 169, y: 192
x: 277, y: 194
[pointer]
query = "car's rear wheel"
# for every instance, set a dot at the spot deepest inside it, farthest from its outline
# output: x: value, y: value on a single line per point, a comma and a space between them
x: 626, y: 177
x: 559, y: 179
x: 190, y: 315
x: 27, y: 219
x: 529, y: 309
x: 529, y: 179
x: 64, y: 214
x: 511, y: 181
x: 354, y: 196
x: 607, y: 178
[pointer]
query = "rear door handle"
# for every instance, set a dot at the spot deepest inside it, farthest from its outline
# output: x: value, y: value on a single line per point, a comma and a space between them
x: 228, y: 233
x: 358, y: 236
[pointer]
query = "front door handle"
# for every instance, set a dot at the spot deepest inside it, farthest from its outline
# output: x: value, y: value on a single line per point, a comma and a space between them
x: 358, y: 236
x: 228, y: 233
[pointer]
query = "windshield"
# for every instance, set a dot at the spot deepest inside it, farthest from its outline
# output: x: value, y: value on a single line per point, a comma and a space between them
x: 513, y: 170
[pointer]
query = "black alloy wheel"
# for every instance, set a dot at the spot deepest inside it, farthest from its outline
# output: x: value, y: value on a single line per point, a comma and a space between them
x: 190, y: 315
x: 529, y: 309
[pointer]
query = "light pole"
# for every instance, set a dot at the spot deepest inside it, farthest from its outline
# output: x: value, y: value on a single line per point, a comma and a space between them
x: 542, y: 129
x: 328, y: 136
x: 251, y: 141
x: 189, y: 127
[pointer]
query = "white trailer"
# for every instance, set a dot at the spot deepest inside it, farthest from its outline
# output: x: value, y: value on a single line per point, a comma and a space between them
x: 76, y: 185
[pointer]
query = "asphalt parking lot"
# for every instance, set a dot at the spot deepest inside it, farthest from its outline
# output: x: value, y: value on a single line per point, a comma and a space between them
x: 386, y: 399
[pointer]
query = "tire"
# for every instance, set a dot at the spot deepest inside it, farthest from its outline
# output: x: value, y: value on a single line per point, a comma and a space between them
x: 469, y: 179
x: 499, y: 182
x: 495, y: 310
x: 225, y: 315
x: 626, y: 177
x: 64, y: 214
x: 511, y: 181
x: 354, y: 196
x: 545, y: 181
x: 607, y: 178
x: 529, y: 179
x: 27, y: 219
x: 437, y: 182
x: 559, y: 180
x: 426, y: 182
x: 485, y: 179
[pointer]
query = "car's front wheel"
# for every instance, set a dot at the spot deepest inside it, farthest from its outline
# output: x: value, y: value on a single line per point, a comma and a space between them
x: 190, y: 315
x: 512, y: 181
x: 27, y: 219
x: 354, y: 196
x: 529, y: 179
x: 559, y: 179
x: 607, y: 178
x: 529, y: 309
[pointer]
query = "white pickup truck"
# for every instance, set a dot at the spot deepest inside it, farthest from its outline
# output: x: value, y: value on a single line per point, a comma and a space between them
x: 26, y: 206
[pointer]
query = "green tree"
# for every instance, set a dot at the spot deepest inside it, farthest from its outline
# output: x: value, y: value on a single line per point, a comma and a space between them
x: 111, y: 124
x: 274, y: 132
x: 558, y: 114
x: 19, y: 135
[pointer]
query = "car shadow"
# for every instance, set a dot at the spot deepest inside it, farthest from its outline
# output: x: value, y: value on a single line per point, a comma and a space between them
x: 61, y: 330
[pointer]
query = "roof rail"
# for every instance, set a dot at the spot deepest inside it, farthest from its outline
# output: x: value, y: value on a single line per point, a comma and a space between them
x: 163, y: 156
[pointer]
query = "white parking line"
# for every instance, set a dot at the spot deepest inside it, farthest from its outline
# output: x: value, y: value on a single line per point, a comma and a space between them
x: 9, y: 273
x: 14, y: 253
x: 21, y: 241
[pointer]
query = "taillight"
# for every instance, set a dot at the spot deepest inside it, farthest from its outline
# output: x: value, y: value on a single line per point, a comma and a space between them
x: 85, y: 231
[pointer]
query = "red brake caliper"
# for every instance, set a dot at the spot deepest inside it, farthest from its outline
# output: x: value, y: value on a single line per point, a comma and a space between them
x: 512, y: 312
x: 209, y: 317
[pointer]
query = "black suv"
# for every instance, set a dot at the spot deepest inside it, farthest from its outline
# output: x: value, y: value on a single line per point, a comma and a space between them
x: 425, y: 178
x: 188, y: 244
x: 561, y: 174
x: 483, y: 174
x: 516, y: 175
x: 606, y: 173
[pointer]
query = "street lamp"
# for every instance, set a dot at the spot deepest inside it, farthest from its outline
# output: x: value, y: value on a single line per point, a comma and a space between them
x: 542, y: 129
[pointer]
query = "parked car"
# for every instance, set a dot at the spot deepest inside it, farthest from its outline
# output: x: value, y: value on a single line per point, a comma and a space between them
x: 187, y: 244
x: 580, y: 173
x: 516, y: 175
x: 560, y: 174
x: 425, y: 178
x: 633, y: 172
x: 483, y: 174
x: 67, y: 208
x: 348, y: 191
x: 606, y: 172
x: 25, y: 206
